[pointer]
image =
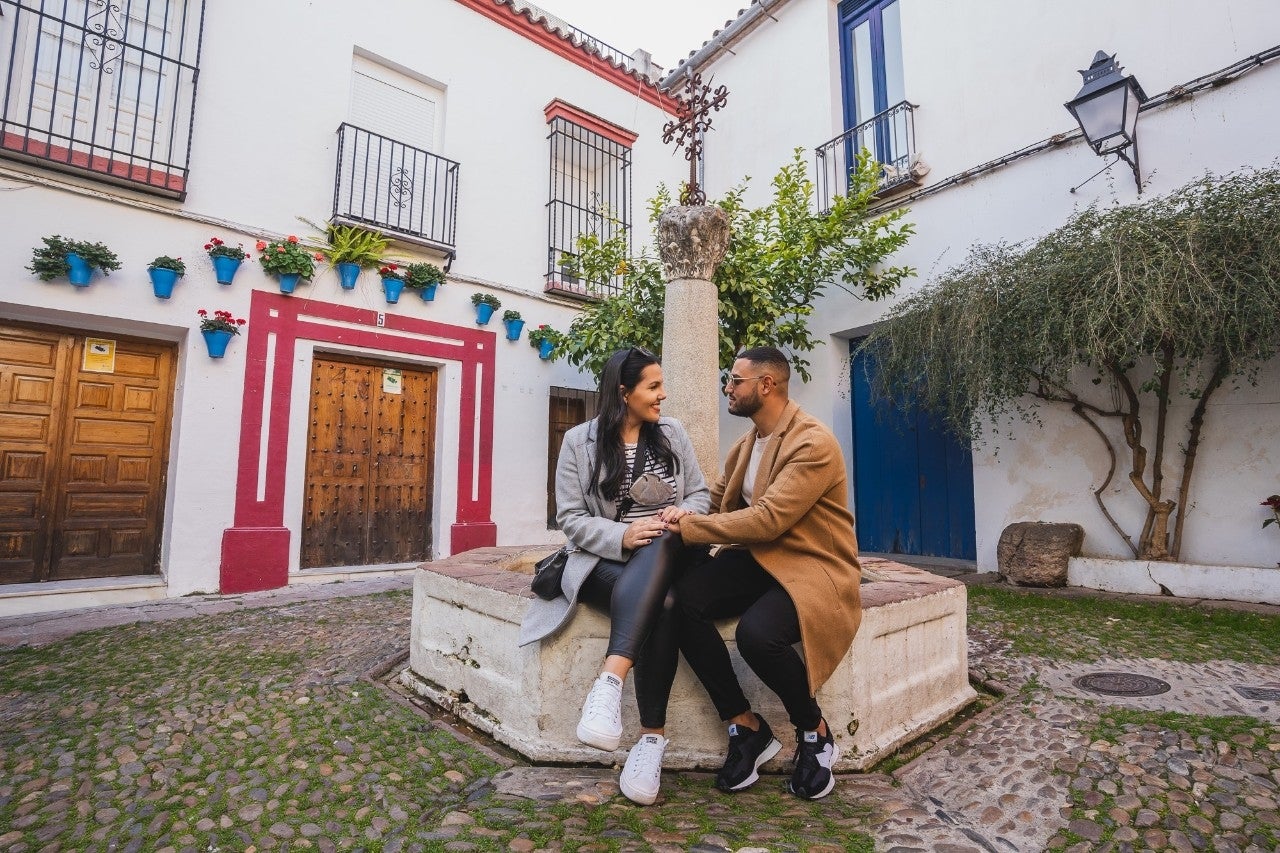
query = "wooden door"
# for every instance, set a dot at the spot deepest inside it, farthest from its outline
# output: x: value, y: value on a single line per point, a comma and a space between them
x: 369, y: 464
x: 569, y: 407
x: 83, y: 456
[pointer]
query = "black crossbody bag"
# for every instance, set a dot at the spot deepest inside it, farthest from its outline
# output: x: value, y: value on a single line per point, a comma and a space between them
x: 548, y: 571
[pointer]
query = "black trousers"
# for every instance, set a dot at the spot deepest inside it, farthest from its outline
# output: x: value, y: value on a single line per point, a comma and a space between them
x: 734, y: 584
x: 643, y: 620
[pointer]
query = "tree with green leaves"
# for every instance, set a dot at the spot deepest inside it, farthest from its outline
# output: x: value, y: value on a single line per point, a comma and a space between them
x: 781, y: 258
x: 1112, y: 315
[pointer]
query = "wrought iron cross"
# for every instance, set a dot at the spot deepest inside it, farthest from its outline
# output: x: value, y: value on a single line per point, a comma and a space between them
x: 693, y: 119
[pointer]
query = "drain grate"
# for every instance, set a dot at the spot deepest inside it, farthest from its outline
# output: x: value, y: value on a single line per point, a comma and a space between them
x: 1265, y: 693
x: 1121, y: 684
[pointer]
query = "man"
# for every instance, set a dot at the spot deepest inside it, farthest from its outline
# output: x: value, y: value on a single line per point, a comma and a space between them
x: 794, y: 577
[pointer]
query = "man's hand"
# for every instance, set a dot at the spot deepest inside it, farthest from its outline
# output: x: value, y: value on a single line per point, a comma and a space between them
x: 642, y: 531
x: 673, y: 513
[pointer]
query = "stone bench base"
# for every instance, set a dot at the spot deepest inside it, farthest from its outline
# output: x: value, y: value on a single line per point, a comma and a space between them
x: 906, y: 672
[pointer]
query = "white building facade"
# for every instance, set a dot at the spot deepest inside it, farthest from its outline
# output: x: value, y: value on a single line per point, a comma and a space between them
x: 965, y: 101
x: 340, y: 431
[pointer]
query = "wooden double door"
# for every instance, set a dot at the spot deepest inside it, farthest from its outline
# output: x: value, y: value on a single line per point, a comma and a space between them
x: 369, y: 464
x: 84, y: 437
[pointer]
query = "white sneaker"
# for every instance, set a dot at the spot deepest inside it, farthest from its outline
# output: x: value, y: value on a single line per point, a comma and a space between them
x: 642, y: 775
x: 601, y: 722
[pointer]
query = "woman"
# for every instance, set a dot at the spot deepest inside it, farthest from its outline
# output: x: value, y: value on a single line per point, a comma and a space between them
x: 621, y: 477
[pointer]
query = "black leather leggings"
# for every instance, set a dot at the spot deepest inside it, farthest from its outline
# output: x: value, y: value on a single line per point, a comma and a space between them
x: 643, y: 621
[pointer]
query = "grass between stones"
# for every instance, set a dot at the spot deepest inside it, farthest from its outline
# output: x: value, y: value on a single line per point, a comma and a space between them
x: 255, y: 729
x: 1087, y: 628
x: 1153, y: 778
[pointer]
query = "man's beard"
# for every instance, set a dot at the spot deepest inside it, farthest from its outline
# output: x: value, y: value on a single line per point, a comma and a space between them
x: 745, y: 408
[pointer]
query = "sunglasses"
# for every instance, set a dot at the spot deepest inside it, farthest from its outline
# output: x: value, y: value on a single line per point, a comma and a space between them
x: 735, y: 381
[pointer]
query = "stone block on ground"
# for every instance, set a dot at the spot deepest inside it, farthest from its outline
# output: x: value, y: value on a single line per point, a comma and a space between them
x: 1036, y: 553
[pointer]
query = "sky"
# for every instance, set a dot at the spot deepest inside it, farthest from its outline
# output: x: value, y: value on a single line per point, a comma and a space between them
x: 668, y: 29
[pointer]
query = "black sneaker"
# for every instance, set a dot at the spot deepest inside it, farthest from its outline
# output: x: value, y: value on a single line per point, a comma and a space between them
x: 815, y: 756
x: 747, y: 751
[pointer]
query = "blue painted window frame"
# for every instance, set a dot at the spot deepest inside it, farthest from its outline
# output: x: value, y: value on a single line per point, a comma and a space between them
x: 852, y: 14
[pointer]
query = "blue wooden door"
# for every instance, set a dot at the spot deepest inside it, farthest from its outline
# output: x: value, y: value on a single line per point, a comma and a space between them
x: 913, y: 480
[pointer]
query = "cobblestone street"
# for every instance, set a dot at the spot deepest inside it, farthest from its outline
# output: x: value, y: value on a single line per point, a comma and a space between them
x: 267, y: 722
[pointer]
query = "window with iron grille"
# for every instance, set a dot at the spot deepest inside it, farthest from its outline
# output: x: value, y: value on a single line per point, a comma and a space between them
x: 104, y: 88
x: 590, y: 194
x: 569, y: 407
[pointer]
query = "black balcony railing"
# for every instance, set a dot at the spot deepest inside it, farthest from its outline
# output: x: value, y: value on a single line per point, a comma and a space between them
x: 394, y: 187
x: 105, y: 88
x: 890, y: 136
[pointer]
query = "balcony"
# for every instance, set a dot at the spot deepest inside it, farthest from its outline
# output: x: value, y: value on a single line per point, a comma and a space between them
x: 890, y: 136
x: 392, y: 187
x: 96, y: 89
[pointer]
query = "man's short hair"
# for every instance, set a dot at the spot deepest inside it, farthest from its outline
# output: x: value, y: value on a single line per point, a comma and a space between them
x: 771, y: 358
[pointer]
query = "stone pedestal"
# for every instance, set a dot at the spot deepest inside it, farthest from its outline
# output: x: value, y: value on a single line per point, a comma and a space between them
x: 906, y: 672
x: 692, y: 242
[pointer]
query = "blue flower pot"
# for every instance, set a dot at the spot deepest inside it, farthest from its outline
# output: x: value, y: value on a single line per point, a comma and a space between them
x: 544, y: 350
x: 162, y: 281
x: 288, y: 281
x: 484, y: 312
x: 428, y: 293
x: 347, y: 275
x: 224, y: 268
x: 216, y: 340
x: 514, y: 328
x: 392, y: 287
x: 80, y: 272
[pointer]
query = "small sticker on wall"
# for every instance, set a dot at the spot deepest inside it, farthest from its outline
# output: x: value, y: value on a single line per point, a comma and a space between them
x: 392, y: 381
x: 99, y: 356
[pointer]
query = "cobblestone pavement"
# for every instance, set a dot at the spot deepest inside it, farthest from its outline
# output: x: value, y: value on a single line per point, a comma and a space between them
x: 255, y: 725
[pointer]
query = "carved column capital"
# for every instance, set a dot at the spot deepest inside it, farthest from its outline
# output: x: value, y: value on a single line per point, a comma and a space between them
x: 692, y: 241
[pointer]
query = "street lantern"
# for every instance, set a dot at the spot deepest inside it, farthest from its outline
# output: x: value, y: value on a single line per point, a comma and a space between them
x: 1107, y: 109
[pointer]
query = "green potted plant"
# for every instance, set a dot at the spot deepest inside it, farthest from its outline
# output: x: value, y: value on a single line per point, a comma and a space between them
x: 392, y: 282
x: 545, y: 340
x: 349, y: 249
x: 514, y: 324
x: 486, y: 304
x: 286, y: 259
x: 164, y: 272
x: 424, y: 278
x: 218, y: 330
x: 226, y: 259
x: 75, y: 259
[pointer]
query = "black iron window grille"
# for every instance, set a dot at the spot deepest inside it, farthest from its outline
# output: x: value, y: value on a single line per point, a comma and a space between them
x: 104, y: 88
x: 890, y: 136
x: 394, y: 187
x: 590, y: 194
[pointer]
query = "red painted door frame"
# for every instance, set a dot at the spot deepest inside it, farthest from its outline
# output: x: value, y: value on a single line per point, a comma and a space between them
x: 256, y: 550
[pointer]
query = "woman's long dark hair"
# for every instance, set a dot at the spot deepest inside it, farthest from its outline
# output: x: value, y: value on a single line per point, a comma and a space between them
x: 623, y: 370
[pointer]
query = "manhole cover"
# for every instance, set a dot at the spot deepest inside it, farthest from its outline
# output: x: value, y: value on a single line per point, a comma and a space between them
x: 1121, y: 684
x: 1259, y: 694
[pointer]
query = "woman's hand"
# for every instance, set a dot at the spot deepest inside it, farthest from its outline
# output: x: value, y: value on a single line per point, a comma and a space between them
x: 642, y: 531
x: 672, y: 513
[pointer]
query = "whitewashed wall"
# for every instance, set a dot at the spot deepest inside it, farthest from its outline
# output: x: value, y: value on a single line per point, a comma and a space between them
x: 275, y: 83
x: 989, y: 79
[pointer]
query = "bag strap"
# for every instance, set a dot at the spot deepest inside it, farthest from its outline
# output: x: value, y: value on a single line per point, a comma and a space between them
x: 637, y: 467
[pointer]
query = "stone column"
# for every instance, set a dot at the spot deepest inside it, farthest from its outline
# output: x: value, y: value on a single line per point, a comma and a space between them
x: 692, y: 242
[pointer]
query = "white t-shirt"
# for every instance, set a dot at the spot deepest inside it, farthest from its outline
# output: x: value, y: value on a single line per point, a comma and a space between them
x: 753, y: 466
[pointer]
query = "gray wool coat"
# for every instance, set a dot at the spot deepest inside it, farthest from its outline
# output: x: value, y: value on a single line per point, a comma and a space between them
x: 587, y: 520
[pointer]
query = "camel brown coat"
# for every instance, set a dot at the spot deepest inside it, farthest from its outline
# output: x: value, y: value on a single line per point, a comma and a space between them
x: 798, y: 528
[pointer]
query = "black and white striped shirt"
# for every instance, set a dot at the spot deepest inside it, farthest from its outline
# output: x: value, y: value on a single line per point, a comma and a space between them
x: 651, y: 466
